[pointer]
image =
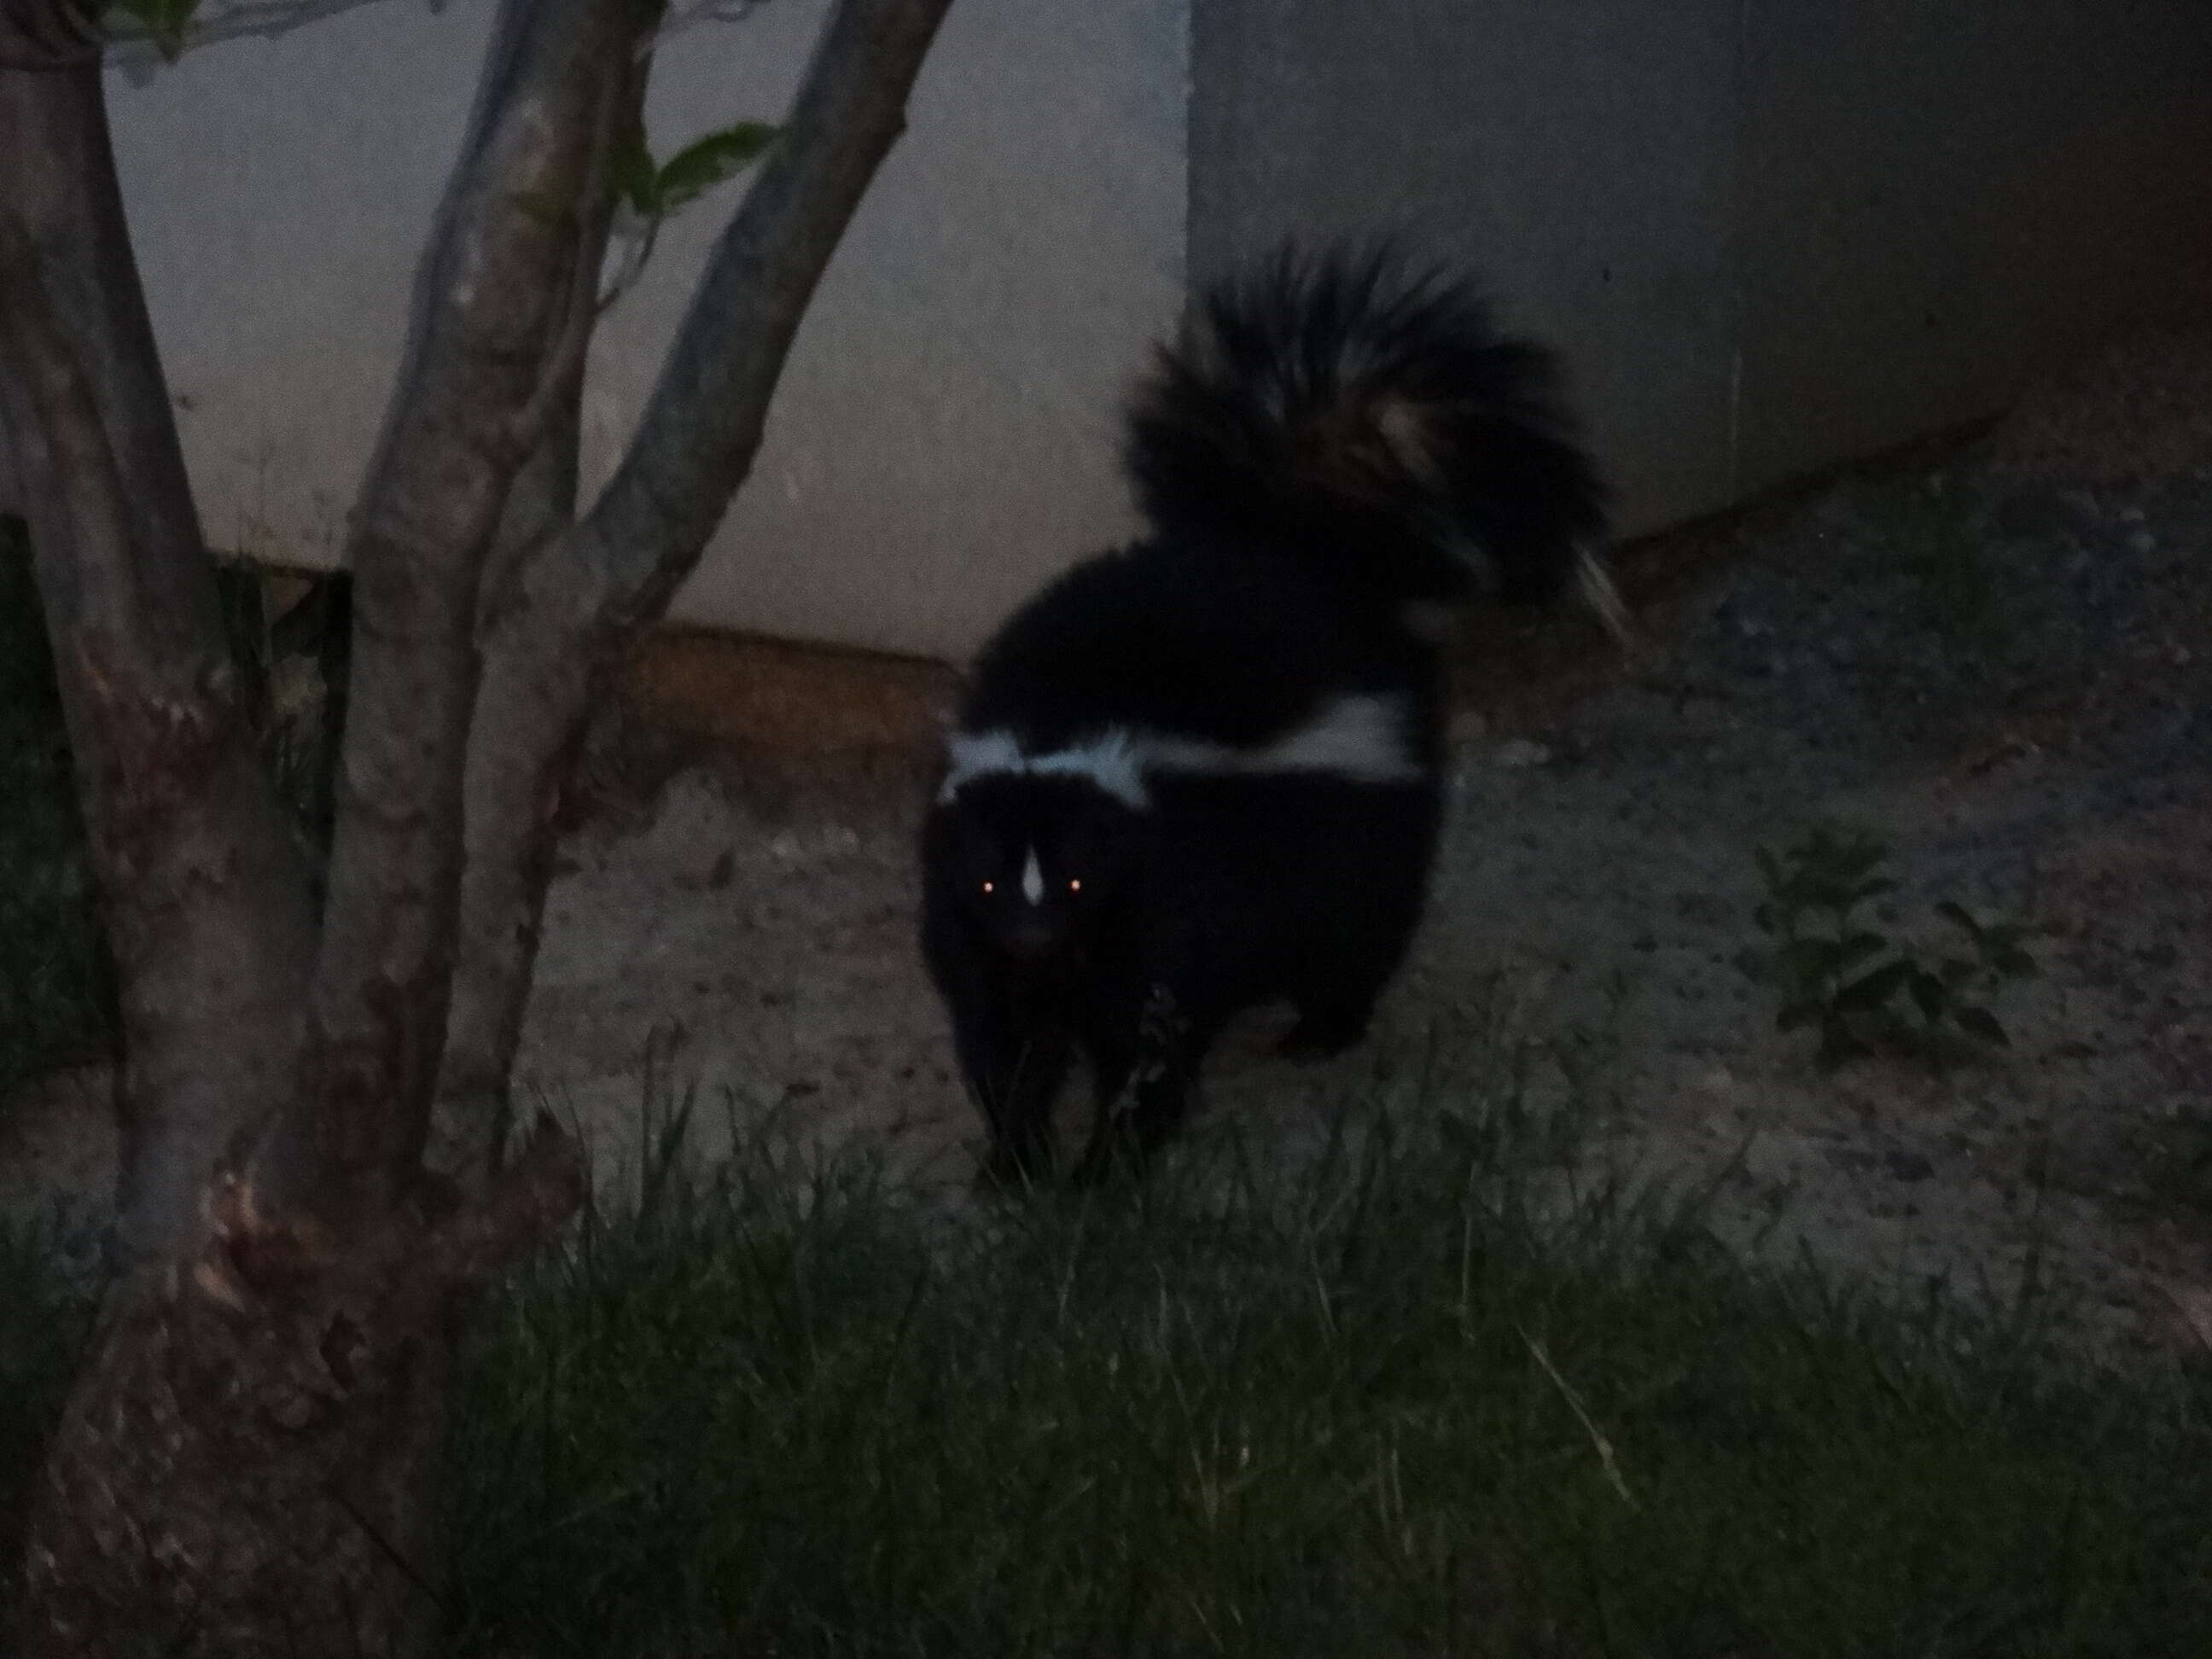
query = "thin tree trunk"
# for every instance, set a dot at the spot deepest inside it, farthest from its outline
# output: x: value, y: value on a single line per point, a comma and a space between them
x: 202, y: 892
x: 507, y: 308
x: 541, y: 508
x: 573, y: 609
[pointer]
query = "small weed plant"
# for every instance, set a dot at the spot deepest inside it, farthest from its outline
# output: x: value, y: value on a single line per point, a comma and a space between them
x: 1860, y: 989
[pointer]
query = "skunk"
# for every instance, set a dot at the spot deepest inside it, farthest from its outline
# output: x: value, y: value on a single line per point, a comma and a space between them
x: 1203, y: 772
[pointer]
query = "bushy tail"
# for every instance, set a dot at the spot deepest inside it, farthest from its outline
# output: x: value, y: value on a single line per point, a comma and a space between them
x: 1375, y: 423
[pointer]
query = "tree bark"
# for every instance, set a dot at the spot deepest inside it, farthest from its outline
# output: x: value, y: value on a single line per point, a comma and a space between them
x: 571, y: 612
x: 239, y: 1472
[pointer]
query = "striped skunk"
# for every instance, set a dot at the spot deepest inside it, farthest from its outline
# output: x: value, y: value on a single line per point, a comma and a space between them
x: 1203, y: 772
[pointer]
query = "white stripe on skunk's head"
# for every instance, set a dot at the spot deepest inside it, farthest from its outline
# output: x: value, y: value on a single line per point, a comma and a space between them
x: 1107, y: 761
x: 974, y: 754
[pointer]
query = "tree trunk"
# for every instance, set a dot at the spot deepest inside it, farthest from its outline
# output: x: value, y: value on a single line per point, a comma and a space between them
x: 249, y: 1461
x: 204, y: 895
x: 248, y: 1466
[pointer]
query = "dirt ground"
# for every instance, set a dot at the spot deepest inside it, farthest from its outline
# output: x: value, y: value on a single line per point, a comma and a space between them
x: 1999, y: 658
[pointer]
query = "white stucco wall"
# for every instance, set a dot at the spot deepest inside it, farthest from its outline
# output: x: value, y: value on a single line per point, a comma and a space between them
x: 1767, y: 235
x: 944, y: 429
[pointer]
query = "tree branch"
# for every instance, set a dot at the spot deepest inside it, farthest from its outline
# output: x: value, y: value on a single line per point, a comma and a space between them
x: 490, y: 333
x: 703, y: 426
x: 576, y: 606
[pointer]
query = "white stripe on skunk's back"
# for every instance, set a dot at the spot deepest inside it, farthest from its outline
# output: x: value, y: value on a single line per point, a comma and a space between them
x: 1361, y: 737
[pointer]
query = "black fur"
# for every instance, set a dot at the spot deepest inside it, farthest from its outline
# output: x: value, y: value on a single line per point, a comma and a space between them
x: 1326, y: 446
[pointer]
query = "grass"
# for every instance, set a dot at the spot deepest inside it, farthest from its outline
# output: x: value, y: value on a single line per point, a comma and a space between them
x: 1421, y: 1391
x: 1415, y: 1396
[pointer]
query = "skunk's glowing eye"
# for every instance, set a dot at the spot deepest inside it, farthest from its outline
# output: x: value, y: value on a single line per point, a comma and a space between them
x: 1074, y: 885
x: 990, y: 886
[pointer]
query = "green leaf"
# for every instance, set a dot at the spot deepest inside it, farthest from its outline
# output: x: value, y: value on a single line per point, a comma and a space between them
x: 1872, y: 990
x: 1857, y: 948
x: 1930, y: 993
x: 1805, y: 959
x: 166, y: 22
x: 1981, y: 1023
x: 636, y: 179
x: 1953, y: 912
x: 1851, y: 853
x: 1838, y: 1043
x: 1815, y: 887
x: 1768, y: 867
x: 706, y: 163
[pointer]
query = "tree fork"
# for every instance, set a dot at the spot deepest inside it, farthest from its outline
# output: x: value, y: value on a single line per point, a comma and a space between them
x: 562, y: 621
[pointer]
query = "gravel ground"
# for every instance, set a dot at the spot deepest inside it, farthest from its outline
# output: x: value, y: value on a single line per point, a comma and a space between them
x: 2002, y: 664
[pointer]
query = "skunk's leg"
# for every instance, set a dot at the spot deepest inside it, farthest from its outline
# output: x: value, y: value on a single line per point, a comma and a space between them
x: 1013, y: 1075
x: 1147, y: 1082
x: 1340, y: 985
x: 1011, y: 1059
x: 1326, y: 1028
